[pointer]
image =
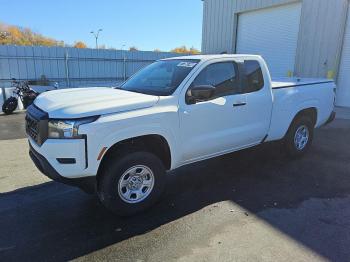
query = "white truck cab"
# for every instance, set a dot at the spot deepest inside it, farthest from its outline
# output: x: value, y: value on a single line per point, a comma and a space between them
x: 121, y: 141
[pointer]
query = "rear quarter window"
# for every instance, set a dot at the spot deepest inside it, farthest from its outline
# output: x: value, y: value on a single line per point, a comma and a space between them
x: 254, y: 77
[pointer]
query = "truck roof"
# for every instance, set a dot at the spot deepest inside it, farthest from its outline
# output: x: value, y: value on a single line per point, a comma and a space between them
x: 210, y: 57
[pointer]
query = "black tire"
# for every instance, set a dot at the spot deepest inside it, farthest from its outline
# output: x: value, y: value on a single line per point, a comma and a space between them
x: 290, y: 146
x: 10, y: 105
x: 29, y: 98
x: 112, y: 172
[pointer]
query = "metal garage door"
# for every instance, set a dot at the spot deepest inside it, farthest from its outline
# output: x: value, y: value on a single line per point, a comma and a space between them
x: 343, y: 92
x: 272, y: 33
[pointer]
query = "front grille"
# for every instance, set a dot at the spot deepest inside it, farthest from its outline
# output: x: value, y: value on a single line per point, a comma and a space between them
x: 36, y: 124
x: 32, y: 127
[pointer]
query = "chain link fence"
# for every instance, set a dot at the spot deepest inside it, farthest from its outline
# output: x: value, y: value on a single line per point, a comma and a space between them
x: 70, y: 67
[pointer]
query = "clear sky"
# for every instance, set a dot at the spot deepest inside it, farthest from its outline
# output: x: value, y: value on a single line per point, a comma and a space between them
x: 146, y: 24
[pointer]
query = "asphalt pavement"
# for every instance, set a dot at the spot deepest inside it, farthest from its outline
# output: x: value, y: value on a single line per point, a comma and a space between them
x: 253, y: 205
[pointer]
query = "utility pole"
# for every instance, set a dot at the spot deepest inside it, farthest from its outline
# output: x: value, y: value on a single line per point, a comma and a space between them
x: 96, y: 36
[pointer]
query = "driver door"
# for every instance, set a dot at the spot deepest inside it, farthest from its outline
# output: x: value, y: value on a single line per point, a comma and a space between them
x: 208, y: 127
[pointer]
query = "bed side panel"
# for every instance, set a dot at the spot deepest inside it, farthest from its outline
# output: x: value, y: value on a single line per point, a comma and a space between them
x: 288, y: 102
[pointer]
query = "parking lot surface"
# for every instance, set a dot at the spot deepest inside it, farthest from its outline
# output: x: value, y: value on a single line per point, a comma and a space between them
x: 253, y: 205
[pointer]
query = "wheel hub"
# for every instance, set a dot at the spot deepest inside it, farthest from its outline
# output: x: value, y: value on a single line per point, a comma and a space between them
x: 301, y: 137
x: 136, y: 184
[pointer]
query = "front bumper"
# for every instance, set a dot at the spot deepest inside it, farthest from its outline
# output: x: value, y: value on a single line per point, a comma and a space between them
x: 87, y: 184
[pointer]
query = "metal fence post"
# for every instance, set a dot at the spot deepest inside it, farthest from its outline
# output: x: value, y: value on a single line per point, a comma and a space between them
x: 67, y: 68
x: 3, y: 90
x: 124, y: 66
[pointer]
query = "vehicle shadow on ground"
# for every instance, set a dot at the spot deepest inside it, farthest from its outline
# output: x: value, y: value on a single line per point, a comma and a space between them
x: 56, y: 222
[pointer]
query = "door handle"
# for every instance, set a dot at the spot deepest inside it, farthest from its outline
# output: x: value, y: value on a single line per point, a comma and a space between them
x: 239, y: 104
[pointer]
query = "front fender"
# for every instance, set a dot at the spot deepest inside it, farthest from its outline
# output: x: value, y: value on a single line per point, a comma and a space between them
x: 138, y: 131
x: 111, y: 129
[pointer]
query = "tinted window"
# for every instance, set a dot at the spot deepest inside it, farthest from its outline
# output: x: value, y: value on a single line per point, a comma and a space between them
x: 254, y: 76
x: 221, y: 75
x: 161, y: 77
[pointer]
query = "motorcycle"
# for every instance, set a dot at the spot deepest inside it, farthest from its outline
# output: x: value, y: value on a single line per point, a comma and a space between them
x: 22, y: 91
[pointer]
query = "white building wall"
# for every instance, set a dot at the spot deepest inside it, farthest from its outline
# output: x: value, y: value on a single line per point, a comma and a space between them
x: 343, y: 92
x: 218, y: 26
x: 320, y: 37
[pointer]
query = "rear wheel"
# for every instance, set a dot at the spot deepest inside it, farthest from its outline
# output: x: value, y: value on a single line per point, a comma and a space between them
x: 10, y: 105
x: 132, y: 183
x: 299, y: 137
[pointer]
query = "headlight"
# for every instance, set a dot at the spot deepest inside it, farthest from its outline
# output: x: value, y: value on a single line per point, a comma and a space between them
x: 61, y: 128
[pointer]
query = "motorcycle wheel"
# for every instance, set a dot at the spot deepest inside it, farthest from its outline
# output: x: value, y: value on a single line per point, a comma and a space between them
x: 10, y: 105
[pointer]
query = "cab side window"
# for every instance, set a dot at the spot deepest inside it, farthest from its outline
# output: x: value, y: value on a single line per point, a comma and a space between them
x: 254, y: 77
x: 223, y: 76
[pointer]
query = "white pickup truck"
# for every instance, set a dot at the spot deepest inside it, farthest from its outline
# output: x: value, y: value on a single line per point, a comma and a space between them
x: 119, y: 142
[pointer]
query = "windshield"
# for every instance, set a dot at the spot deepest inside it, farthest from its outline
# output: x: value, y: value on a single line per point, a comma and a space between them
x: 160, y: 78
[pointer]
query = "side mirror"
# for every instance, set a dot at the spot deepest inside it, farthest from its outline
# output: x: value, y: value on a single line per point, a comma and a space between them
x: 199, y: 93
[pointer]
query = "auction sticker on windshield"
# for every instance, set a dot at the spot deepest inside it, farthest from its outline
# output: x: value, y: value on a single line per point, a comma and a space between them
x: 187, y: 64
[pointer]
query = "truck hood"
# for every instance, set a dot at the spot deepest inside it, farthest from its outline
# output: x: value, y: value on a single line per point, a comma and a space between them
x: 84, y: 102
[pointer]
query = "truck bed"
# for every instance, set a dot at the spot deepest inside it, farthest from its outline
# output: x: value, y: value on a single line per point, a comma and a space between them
x: 287, y: 82
x: 291, y: 95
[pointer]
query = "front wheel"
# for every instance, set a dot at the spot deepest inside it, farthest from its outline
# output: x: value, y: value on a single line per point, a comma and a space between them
x: 10, y: 105
x: 132, y: 183
x: 299, y: 137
